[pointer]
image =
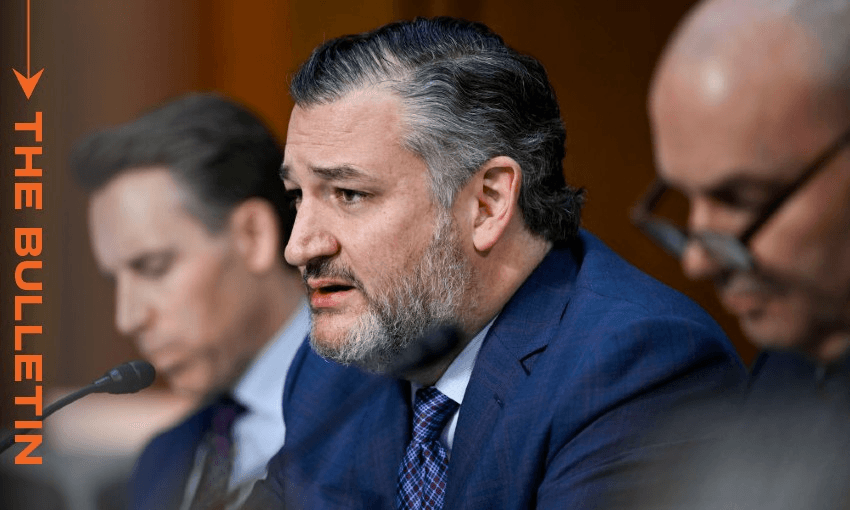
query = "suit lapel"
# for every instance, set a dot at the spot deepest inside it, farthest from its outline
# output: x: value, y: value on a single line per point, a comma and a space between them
x: 179, y: 461
x: 346, y: 434
x: 387, y: 427
x: 520, y: 333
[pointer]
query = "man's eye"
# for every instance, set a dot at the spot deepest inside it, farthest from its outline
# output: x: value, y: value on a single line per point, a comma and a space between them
x: 738, y: 201
x: 350, y: 196
x: 154, y: 266
x: 156, y: 269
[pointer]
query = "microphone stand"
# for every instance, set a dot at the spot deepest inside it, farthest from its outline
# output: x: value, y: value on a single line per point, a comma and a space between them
x: 9, y: 438
x: 127, y: 377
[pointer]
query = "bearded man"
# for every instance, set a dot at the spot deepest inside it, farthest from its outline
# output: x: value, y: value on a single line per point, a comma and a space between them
x: 424, y: 160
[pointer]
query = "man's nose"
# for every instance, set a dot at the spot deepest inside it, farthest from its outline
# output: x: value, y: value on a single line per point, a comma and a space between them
x: 311, y: 236
x: 697, y: 262
x: 131, y: 310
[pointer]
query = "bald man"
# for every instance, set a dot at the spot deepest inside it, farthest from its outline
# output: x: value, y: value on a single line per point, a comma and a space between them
x: 750, y: 112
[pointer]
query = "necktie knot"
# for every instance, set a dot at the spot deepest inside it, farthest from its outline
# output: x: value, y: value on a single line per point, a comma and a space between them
x: 431, y: 411
x: 225, y: 411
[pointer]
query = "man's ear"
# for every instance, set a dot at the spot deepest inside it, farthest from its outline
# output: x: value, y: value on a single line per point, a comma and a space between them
x: 496, y: 193
x: 255, y: 227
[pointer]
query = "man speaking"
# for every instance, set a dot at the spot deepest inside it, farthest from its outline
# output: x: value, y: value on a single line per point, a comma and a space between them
x: 186, y: 217
x: 424, y: 160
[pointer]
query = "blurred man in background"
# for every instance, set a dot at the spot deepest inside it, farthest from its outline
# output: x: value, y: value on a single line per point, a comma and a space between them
x: 187, y: 217
x: 750, y: 110
x: 425, y: 162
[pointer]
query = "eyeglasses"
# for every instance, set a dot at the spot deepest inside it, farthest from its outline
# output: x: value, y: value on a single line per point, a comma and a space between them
x: 728, y: 250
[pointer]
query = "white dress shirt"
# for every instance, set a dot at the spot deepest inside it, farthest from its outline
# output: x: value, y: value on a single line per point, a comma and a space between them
x: 454, y: 381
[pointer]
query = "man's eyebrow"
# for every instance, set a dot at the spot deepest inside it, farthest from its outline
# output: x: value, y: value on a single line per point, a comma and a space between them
x: 747, y: 184
x: 333, y: 173
x: 138, y: 259
x: 337, y: 173
x: 743, y: 189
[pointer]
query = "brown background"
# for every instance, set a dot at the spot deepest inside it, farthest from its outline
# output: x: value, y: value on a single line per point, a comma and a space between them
x: 108, y: 61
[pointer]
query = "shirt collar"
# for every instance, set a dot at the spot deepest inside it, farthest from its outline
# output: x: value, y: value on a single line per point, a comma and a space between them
x: 454, y: 381
x: 263, y: 378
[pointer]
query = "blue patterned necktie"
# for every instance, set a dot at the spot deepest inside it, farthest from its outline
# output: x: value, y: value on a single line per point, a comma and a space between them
x: 422, y: 473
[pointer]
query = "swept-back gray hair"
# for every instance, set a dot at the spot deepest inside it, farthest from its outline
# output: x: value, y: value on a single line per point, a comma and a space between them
x: 467, y: 98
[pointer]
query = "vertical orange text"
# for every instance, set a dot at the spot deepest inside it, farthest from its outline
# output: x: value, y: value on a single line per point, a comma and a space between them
x: 29, y: 289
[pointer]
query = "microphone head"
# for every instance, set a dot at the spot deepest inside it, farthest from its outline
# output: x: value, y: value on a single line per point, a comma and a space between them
x: 127, y: 377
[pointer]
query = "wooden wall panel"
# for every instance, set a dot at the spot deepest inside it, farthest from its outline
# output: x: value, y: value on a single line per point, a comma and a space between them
x: 245, y: 52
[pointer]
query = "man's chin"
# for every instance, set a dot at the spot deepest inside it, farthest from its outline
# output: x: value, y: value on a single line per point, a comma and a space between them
x: 330, y: 328
x: 187, y: 381
x: 328, y: 338
x: 362, y: 349
x: 324, y: 347
x: 775, y: 333
x: 820, y: 345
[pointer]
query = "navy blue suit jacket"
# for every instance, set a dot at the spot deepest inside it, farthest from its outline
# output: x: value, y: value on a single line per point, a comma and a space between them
x: 586, y: 353
x: 159, y: 477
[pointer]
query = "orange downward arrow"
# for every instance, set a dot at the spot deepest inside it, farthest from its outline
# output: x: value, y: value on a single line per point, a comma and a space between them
x: 28, y: 84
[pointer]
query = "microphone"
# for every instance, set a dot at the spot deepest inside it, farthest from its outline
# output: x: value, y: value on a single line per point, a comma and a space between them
x: 128, y: 377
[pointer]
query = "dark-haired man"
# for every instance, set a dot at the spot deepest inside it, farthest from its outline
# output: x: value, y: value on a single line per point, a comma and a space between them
x: 425, y: 163
x: 187, y: 217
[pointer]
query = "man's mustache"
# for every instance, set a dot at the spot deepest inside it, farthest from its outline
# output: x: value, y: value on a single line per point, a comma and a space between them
x: 772, y: 283
x: 327, y: 268
x: 749, y: 283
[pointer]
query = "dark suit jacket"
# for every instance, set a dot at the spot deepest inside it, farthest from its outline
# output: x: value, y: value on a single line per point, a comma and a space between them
x: 778, y: 376
x: 159, y: 477
x: 585, y: 353
x: 780, y: 444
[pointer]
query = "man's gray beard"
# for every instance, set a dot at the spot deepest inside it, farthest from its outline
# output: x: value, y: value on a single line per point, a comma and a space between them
x: 407, y: 306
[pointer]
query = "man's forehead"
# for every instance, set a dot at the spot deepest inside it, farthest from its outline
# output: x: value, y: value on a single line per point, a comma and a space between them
x: 372, y: 110
x: 136, y: 212
x: 352, y: 137
x: 759, y: 134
